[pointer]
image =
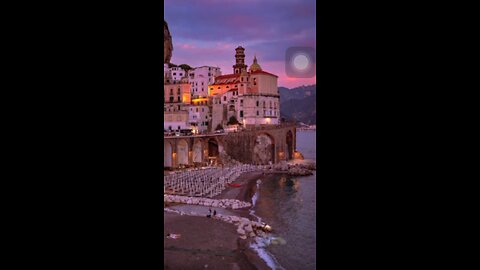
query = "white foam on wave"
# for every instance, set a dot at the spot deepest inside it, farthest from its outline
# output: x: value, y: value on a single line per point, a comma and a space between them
x: 254, y: 201
x: 259, y: 247
x: 260, y: 243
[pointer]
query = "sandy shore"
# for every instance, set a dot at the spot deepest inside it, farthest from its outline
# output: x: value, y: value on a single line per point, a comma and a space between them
x: 206, y: 243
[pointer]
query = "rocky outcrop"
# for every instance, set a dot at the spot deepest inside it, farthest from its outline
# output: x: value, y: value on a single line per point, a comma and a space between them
x: 227, y: 160
x: 263, y: 150
x: 294, y: 169
x: 167, y: 43
x: 223, y: 203
x: 245, y: 227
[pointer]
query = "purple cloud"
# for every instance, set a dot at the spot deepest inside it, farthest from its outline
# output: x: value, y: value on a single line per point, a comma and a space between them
x: 206, y: 32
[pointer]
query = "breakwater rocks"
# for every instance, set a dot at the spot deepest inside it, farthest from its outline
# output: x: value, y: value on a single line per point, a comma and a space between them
x: 245, y: 227
x: 223, y: 203
x: 300, y: 169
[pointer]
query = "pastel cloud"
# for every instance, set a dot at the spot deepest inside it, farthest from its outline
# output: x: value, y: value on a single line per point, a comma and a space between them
x: 206, y: 32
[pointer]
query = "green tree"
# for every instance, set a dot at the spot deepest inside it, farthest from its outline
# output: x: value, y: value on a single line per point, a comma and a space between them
x: 233, y: 121
x: 185, y: 67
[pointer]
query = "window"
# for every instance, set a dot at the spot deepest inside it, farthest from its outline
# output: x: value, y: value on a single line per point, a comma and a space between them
x: 224, y: 98
x: 258, y: 103
x: 258, y: 113
x: 241, y: 113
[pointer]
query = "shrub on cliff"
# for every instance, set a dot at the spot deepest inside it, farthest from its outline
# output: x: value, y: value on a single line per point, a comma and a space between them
x: 185, y: 67
x: 233, y: 121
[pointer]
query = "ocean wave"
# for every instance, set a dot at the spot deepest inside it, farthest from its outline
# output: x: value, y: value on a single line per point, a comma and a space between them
x: 259, y: 246
x: 261, y: 243
x: 254, y: 201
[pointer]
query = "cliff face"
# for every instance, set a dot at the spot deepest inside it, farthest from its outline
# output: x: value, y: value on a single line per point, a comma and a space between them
x: 167, y: 43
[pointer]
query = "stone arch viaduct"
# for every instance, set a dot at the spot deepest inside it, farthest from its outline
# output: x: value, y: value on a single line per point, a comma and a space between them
x: 260, y: 145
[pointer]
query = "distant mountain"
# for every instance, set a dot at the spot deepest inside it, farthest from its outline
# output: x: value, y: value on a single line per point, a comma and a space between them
x: 299, y: 104
x: 297, y: 93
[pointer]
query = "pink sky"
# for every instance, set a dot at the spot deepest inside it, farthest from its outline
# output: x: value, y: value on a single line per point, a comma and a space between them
x: 206, y: 33
x: 223, y: 56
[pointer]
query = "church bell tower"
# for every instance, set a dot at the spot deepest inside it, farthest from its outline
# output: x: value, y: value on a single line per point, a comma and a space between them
x: 239, y: 60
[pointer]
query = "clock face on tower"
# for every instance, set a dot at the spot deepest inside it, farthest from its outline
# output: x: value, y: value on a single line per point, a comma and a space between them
x: 167, y: 43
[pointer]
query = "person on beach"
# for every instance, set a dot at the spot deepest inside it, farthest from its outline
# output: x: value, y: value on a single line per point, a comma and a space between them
x: 209, y: 212
x: 214, y: 212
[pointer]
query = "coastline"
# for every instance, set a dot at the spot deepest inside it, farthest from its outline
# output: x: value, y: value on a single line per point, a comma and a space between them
x: 210, y: 244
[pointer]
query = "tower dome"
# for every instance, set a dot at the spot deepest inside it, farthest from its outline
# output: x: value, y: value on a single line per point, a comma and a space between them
x: 255, y: 66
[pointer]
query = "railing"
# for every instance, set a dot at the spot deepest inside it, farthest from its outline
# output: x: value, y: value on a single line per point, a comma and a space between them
x: 168, y: 136
x: 270, y: 127
x: 248, y: 128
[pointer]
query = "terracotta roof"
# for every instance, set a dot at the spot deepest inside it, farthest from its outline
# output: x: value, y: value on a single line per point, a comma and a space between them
x: 263, y: 72
x: 227, y: 76
x: 223, y: 83
x: 227, y: 79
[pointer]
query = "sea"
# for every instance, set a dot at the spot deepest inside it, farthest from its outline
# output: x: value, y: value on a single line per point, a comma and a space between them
x: 288, y: 205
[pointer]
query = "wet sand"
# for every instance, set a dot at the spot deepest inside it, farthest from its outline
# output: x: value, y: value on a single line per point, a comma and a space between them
x: 206, y: 243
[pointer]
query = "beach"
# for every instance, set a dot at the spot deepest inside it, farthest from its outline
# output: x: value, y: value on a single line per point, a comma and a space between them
x: 206, y: 243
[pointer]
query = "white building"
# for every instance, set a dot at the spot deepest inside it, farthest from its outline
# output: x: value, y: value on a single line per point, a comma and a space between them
x: 177, y: 73
x: 199, y: 118
x: 175, y: 117
x: 200, y: 78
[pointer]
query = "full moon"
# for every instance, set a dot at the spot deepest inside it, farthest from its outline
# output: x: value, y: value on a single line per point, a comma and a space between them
x: 301, y: 61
